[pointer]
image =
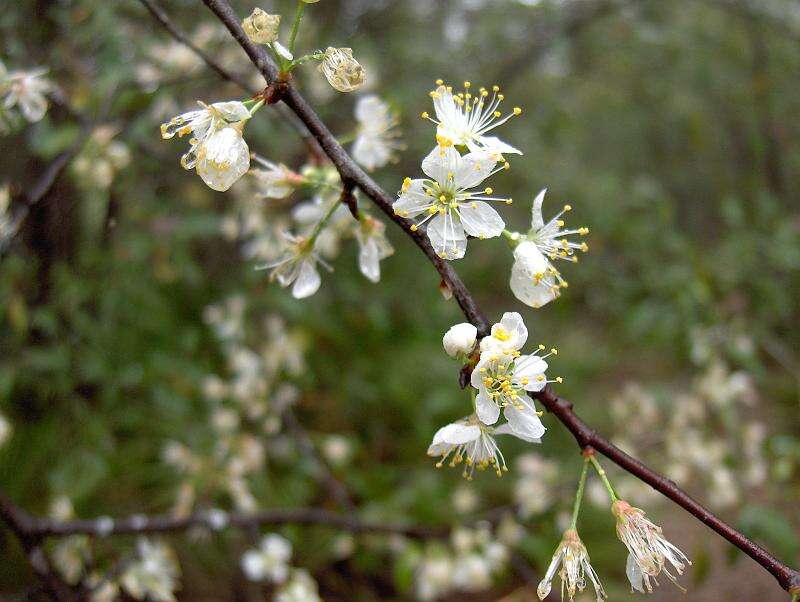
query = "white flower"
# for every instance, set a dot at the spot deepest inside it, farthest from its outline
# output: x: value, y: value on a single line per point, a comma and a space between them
x: 261, y: 27
x: 372, y: 247
x: 510, y: 334
x: 270, y: 561
x: 276, y: 181
x: 300, y: 588
x: 571, y: 555
x: 465, y: 118
x: 25, y: 89
x: 472, y: 573
x: 648, y: 550
x: 449, y: 201
x: 534, y: 279
x: 217, y: 148
x: 343, y: 72
x: 434, y: 576
x: 298, y: 266
x: 376, y: 137
x: 472, y: 442
x: 459, y: 339
x: 154, y: 574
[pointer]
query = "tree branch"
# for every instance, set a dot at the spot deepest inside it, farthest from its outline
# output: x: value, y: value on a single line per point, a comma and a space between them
x: 787, y: 577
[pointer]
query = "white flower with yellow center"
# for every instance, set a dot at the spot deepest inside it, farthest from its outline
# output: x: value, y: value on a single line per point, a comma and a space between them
x: 471, y: 442
x: 448, y: 199
x: 372, y: 247
x: 376, y: 139
x: 217, y: 149
x: 648, y: 550
x: 464, y: 118
x: 572, y: 557
x: 534, y: 278
x: 503, y: 377
x: 298, y: 266
x: 25, y: 89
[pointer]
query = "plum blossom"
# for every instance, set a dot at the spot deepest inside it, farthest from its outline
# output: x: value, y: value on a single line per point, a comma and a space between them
x: 448, y: 199
x: 275, y: 181
x: 534, y: 279
x: 376, y: 139
x: 465, y: 118
x: 472, y: 442
x: 648, y: 550
x: 373, y: 246
x: 459, y: 339
x: 154, y: 574
x: 26, y: 90
x: 297, y: 266
x: 572, y: 557
x: 270, y: 561
x: 217, y: 149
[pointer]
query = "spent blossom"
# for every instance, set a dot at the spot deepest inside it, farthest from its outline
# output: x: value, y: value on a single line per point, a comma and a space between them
x: 376, y: 138
x: 261, y: 27
x: 217, y: 149
x: 649, y: 552
x: 343, y: 72
x: 572, y: 557
x: 464, y: 118
x: 534, y: 278
x: 448, y: 199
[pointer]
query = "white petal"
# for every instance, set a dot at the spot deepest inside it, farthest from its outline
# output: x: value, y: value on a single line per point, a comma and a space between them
x: 524, y: 423
x: 370, y: 109
x: 413, y: 201
x: 634, y: 574
x: 232, y: 111
x: 527, y: 286
x: 537, y: 221
x: 253, y: 565
x: 480, y: 219
x: 223, y: 158
x: 505, y: 429
x: 282, y: 51
x: 474, y: 168
x: 486, y: 409
x: 494, y: 145
x: 441, y: 164
x: 531, y: 367
x: 369, y: 261
x: 447, y: 236
x: 308, y: 280
x: 458, y: 434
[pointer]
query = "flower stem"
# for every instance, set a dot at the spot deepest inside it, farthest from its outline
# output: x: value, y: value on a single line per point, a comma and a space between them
x: 298, y: 16
x: 579, y: 494
x: 602, y: 474
x: 321, y: 224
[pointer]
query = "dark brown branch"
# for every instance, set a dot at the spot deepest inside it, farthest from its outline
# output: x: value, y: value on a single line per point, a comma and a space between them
x: 788, y: 578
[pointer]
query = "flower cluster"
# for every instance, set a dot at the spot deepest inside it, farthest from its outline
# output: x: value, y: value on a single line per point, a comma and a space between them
x: 24, y: 90
x: 502, y: 379
x: 101, y: 159
x: 270, y: 562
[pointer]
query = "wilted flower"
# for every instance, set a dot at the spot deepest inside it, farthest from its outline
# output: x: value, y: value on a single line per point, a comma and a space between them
x: 573, y: 559
x: 373, y: 246
x: 342, y: 71
x: 376, y: 139
x: 25, y: 89
x: 449, y: 201
x: 297, y: 265
x: 472, y: 442
x: 154, y: 574
x: 648, y: 550
x: 534, y: 279
x: 217, y: 148
x: 261, y: 27
x: 459, y: 339
x: 275, y: 181
x: 465, y: 118
x: 270, y: 561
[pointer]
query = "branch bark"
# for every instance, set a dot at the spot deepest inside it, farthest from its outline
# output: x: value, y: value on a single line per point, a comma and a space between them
x: 787, y: 577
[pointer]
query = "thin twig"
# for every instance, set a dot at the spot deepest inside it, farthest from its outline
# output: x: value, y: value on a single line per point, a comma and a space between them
x: 787, y: 577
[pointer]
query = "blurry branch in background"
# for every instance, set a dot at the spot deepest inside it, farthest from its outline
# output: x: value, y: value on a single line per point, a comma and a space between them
x: 585, y: 436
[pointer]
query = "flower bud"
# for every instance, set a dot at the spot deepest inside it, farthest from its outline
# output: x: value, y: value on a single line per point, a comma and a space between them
x: 460, y: 339
x: 342, y: 71
x: 261, y: 27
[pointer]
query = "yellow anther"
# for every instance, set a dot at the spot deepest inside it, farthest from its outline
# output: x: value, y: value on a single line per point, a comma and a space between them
x: 506, y: 165
x: 467, y: 84
x: 414, y: 227
x: 584, y: 247
x: 497, y: 113
x: 509, y: 201
x: 474, y: 205
x: 501, y: 97
x: 567, y: 207
x: 439, y: 82
x: 517, y: 111
x: 560, y: 223
x: 434, y: 94
x: 540, y: 378
x: 406, y: 184
x: 425, y: 115
x: 554, y: 351
x: 442, y: 198
x: 495, y: 88
x: 541, y: 347
x: 487, y: 190
x: 583, y: 231
x: 559, y: 380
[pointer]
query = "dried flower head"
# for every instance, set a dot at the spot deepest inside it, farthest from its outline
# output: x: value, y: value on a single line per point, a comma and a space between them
x: 573, y: 558
x: 261, y: 27
x: 342, y: 71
